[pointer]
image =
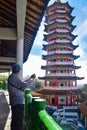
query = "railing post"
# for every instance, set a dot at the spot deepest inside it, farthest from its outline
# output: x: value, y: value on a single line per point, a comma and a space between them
x: 35, y: 114
x: 39, y: 105
x: 26, y: 94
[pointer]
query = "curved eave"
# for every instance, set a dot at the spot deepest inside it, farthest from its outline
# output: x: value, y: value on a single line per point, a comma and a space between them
x: 56, y: 22
x: 72, y: 27
x: 75, y: 57
x: 58, y: 33
x: 50, y: 16
x: 49, y: 67
x: 60, y: 4
x: 75, y: 46
x: 62, y: 33
x: 46, y: 46
x: 59, y: 92
x: 60, y: 13
x: 61, y: 78
x: 47, y: 26
x: 45, y: 57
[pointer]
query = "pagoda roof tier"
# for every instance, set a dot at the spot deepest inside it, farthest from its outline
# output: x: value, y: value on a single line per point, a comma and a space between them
x: 59, y: 35
x: 49, y: 67
x: 52, y: 56
x: 59, y: 92
x: 59, y: 77
x: 57, y: 24
x: 57, y: 16
x: 62, y: 10
x: 48, y: 46
x: 60, y: 5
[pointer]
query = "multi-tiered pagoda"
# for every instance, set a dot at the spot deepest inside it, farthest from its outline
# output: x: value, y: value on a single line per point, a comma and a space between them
x: 60, y: 80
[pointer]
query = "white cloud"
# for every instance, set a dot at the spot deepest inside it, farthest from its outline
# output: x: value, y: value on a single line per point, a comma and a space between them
x: 39, y: 37
x: 33, y: 65
x: 82, y: 72
x: 81, y: 31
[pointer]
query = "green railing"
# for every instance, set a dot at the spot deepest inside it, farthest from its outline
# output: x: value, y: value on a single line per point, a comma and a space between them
x: 36, y: 117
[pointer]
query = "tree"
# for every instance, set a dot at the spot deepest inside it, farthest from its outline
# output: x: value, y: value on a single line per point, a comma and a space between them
x: 84, y: 95
x: 38, y: 84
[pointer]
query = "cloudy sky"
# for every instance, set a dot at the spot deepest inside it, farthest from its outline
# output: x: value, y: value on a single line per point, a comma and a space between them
x: 34, y: 62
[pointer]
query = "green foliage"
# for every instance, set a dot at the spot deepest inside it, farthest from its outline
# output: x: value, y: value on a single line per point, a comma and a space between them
x: 84, y: 88
x: 3, y: 82
x: 3, y: 78
x: 38, y: 84
x: 84, y: 95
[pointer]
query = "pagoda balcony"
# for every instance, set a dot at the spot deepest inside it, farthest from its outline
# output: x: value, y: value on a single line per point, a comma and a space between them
x: 61, y: 74
x: 58, y: 20
x: 60, y: 63
x: 59, y: 30
x: 61, y: 11
x: 58, y: 11
x: 59, y: 41
x: 61, y: 87
x: 59, y: 52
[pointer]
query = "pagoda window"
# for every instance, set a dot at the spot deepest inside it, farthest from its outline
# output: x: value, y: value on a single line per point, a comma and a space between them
x: 53, y: 71
x: 53, y: 100
x: 61, y: 84
x: 62, y: 100
x: 61, y: 71
x: 61, y: 49
x: 61, y: 60
x: 61, y: 38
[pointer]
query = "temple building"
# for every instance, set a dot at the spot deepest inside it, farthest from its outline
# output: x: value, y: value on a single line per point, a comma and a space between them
x: 60, y: 80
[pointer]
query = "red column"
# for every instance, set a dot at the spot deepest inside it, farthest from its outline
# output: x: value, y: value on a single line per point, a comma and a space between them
x: 56, y: 83
x: 56, y: 101
x: 71, y: 100
x: 43, y: 96
x: 49, y: 100
x: 66, y: 100
x: 57, y: 47
x: 45, y: 83
x: 57, y: 58
x: 50, y: 83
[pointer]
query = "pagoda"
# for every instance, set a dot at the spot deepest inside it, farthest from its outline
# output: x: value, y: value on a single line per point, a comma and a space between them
x: 60, y: 80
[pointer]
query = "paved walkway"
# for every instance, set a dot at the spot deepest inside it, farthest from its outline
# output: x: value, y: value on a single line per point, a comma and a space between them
x: 5, y: 115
